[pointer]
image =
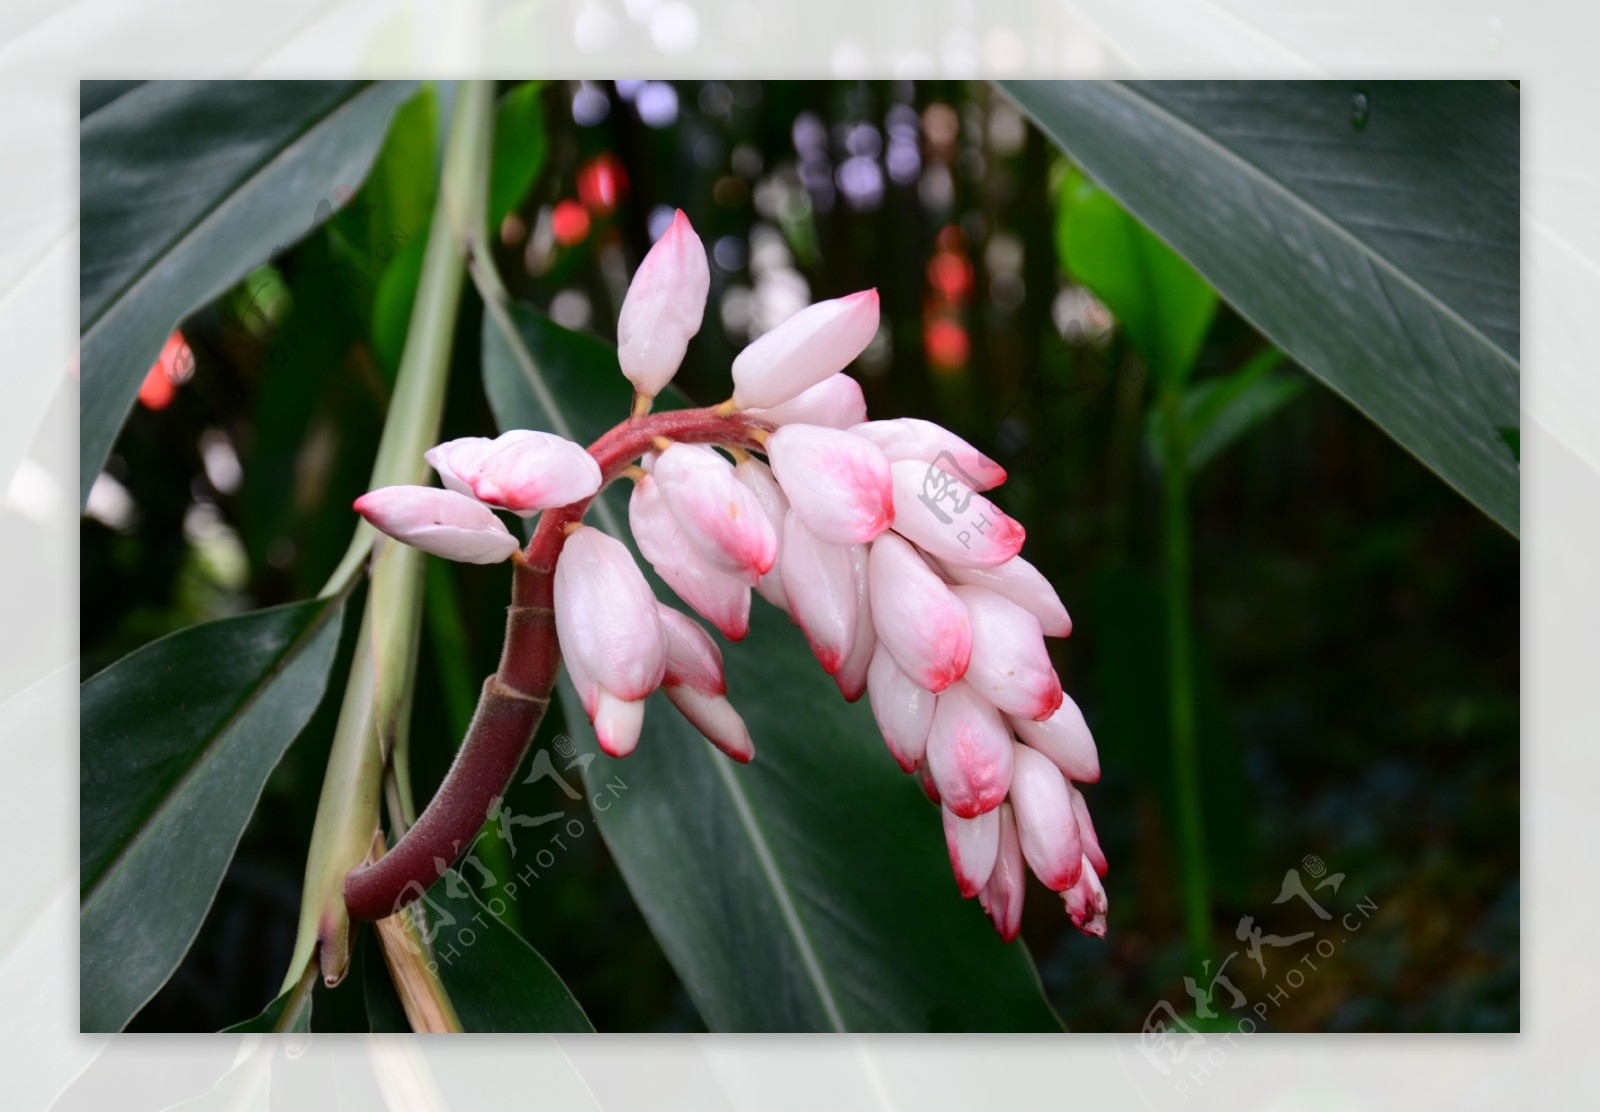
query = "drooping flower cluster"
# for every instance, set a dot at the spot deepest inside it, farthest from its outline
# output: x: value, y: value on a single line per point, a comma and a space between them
x: 875, y: 537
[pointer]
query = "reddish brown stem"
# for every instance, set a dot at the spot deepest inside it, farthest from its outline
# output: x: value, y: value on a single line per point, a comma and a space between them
x: 514, y: 699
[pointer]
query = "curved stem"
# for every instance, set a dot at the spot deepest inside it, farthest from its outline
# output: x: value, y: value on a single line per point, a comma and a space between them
x: 514, y: 699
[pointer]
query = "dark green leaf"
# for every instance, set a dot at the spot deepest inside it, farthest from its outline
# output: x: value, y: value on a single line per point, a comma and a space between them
x: 185, y: 187
x: 1164, y: 306
x: 1383, y: 258
x: 519, y: 149
x: 808, y: 890
x: 176, y: 741
x: 271, y: 1018
x: 1217, y: 412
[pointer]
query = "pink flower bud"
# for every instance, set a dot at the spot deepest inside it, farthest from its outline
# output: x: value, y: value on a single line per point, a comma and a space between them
x: 836, y: 402
x: 1086, y: 833
x: 1064, y: 738
x: 969, y: 752
x: 1009, y: 667
x: 663, y: 308
x: 816, y: 342
x: 758, y: 477
x: 720, y: 516
x: 820, y: 583
x: 837, y: 483
x: 911, y: 438
x: 1025, y: 586
x: 1086, y: 903
x: 523, y: 471
x: 903, y: 710
x: 443, y: 523
x: 695, y: 685
x: 925, y: 779
x: 610, y: 634
x: 974, y: 844
x: 852, y: 675
x: 720, y: 599
x: 949, y: 519
x: 918, y: 619
x: 457, y: 461
x: 1002, y: 896
x: 1046, y: 824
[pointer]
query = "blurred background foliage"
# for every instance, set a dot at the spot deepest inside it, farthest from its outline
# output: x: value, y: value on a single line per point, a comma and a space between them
x: 1355, y: 621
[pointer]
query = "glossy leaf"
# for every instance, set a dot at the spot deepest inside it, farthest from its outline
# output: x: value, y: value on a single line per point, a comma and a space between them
x: 1378, y: 248
x: 1162, y: 304
x: 519, y: 150
x: 185, y: 187
x: 284, y: 1014
x: 808, y: 890
x: 177, y: 740
x: 1219, y: 411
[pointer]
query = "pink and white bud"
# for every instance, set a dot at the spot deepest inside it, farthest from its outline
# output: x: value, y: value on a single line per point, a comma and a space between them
x: 836, y: 402
x: 1064, y: 738
x: 918, y: 618
x: 1086, y: 903
x: 836, y: 482
x: 902, y: 708
x: 969, y: 752
x: 949, y: 519
x: 663, y: 308
x: 1009, y: 666
x: 1086, y: 832
x: 758, y: 477
x: 526, y: 471
x: 911, y: 438
x: 443, y: 523
x: 457, y: 461
x: 720, y: 599
x: 1025, y: 586
x: 973, y: 845
x: 925, y: 779
x: 720, y: 516
x: 820, y: 583
x: 818, y: 341
x: 695, y: 685
x: 852, y: 675
x: 1045, y: 820
x: 610, y: 633
x: 1002, y: 896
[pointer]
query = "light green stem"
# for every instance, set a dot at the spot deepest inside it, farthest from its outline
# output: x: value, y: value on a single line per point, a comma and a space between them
x: 1180, y: 682
x: 376, y: 699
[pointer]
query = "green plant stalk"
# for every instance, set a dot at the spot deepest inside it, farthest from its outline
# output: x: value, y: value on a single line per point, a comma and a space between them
x: 1180, y: 682
x: 376, y: 699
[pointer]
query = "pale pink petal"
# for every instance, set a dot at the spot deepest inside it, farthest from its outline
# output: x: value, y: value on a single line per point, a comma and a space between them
x: 663, y: 308
x: 1002, y: 896
x: 719, y: 598
x: 617, y: 723
x: 440, y: 522
x: 917, y: 617
x: 925, y: 779
x: 816, y: 342
x: 852, y: 675
x: 821, y: 586
x: 715, y: 718
x: 836, y: 401
x: 1086, y: 833
x: 903, y: 710
x: 836, y: 482
x: 911, y: 438
x: 529, y: 471
x: 973, y: 845
x: 758, y: 477
x: 1045, y: 821
x: 1009, y: 667
x: 1025, y: 586
x: 720, y: 516
x: 1064, y: 738
x: 693, y: 659
x: 950, y: 520
x: 457, y: 461
x: 606, y: 615
x: 969, y: 752
x: 1086, y: 903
